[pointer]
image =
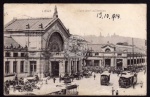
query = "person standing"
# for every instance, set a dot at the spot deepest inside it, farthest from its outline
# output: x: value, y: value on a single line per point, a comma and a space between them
x: 16, y: 79
x: 72, y: 78
x: 141, y: 84
x: 94, y: 76
x: 113, y: 90
x: 117, y: 92
x: 133, y: 85
x: 54, y: 79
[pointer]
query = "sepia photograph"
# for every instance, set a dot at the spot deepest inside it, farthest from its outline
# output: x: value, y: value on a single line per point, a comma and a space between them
x: 75, y: 49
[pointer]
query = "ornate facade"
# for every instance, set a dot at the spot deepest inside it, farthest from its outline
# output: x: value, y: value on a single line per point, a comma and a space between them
x: 44, y: 40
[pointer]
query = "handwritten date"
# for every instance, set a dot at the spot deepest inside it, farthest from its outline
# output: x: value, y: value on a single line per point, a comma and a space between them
x: 102, y: 15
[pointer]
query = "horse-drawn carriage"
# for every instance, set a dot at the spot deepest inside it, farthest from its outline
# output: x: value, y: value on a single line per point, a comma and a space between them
x: 87, y: 74
x: 78, y: 75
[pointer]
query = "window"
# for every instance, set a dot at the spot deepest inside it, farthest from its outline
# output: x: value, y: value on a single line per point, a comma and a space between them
x: 7, y: 54
x: 7, y: 67
x: 96, y: 62
x: 107, y: 50
x: 128, y: 62
x: 22, y: 54
x: 15, y: 55
x: 33, y: 66
x: 135, y: 61
x: 119, y: 54
x: 15, y: 67
x: 96, y: 54
x: 21, y: 66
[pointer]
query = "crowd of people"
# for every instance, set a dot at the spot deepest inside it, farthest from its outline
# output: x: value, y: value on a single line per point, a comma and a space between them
x: 21, y: 85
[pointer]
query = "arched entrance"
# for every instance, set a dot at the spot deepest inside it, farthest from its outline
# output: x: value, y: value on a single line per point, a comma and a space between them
x: 55, y: 45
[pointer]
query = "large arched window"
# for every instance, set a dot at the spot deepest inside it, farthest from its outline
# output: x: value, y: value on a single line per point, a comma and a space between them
x: 107, y: 50
x: 55, y: 42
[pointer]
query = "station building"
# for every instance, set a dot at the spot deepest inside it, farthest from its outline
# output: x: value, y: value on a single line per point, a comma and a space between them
x: 37, y: 45
x: 44, y: 45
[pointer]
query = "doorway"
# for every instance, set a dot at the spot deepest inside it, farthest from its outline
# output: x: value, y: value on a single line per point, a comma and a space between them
x: 107, y: 62
x: 119, y: 63
x: 32, y: 67
x: 55, y: 68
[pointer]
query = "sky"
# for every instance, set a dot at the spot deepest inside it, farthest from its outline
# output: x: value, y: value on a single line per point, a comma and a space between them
x: 88, y: 19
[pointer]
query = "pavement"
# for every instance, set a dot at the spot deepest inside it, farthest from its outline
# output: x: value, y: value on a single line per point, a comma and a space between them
x: 89, y: 86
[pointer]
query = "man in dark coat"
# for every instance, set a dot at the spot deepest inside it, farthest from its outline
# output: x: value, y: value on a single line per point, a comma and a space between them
x: 113, y: 91
x: 94, y: 76
x: 117, y: 92
x: 54, y: 79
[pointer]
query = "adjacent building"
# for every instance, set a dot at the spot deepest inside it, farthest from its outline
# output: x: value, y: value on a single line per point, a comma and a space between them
x: 115, y: 55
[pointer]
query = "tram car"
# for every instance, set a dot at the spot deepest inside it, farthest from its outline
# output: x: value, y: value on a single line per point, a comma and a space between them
x: 127, y: 80
x: 105, y: 78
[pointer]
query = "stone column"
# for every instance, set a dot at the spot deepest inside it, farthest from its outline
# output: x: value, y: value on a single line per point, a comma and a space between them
x: 130, y: 61
x: 92, y: 62
x: 112, y: 62
x: 11, y: 66
x: 63, y: 65
x: 60, y: 68
x: 103, y: 62
x: 100, y: 63
x: 80, y: 65
x: 69, y: 65
x: 41, y: 68
x: 29, y: 67
x: 18, y: 66
x: 124, y: 64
